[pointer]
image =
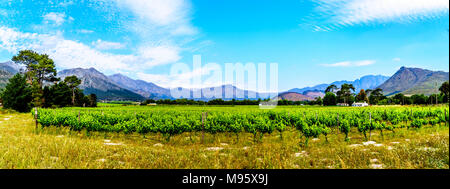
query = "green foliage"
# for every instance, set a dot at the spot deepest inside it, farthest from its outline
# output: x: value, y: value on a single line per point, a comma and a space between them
x: 362, y: 96
x: 170, y: 121
x: 376, y: 96
x: 17, y: 94
x: 445, y: 91
x: 72, y: 82
x: 329, y: 99
x: 39, y: 69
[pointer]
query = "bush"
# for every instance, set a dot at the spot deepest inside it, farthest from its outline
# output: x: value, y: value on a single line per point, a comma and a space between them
x: 17, y: 94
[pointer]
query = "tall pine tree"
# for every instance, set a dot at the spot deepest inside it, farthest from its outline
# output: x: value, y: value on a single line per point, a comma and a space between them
x: 17, y: 94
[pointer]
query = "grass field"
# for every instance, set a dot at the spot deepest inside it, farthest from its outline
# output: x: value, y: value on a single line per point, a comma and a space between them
x: 22, y: 147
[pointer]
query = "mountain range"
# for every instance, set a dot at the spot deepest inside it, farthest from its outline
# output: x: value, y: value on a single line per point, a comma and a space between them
x: 119, y: 87
x: 410, y: 81
x: 366, y: 82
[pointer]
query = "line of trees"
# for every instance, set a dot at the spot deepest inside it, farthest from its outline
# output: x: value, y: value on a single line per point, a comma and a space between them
x: 227, y: 102
x: 335, y: 95
x: 39, y: 86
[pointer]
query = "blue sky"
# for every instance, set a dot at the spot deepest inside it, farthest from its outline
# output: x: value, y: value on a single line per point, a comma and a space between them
x: 313, y: 42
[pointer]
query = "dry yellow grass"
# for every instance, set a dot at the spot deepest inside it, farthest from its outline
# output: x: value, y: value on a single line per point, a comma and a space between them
x: 22, y: 146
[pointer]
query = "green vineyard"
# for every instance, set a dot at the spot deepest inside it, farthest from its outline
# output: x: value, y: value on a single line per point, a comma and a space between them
x: 310, y: 122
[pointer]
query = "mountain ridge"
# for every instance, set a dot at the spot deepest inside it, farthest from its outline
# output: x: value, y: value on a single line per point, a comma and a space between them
x: 93, y: 81
x: 414, y: 81
x: 365, y: 82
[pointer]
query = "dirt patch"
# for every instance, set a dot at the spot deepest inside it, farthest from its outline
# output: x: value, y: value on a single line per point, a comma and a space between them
x: 214, y: 148
x: 112, y: 144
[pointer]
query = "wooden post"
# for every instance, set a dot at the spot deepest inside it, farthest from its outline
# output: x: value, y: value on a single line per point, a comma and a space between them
x: 79, y: 116
x: 370, y: 122
x: 203, y: 127
x: 445, y: 112
x: 36, y: 116
x: 338, y: 123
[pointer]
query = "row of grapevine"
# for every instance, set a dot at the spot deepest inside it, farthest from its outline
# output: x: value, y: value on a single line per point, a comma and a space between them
x: 310, y: 123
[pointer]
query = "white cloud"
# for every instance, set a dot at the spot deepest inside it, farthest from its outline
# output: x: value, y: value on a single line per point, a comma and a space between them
x: 351, y: 63
x: 73, y: 54
x: 107, y: 45
x: 172, y: 16
x: 3, y: 13
x: 159, y: 55
x: 397, y: 59
x: 65, y: 3
x: 184, y: 80
x: 56, y: 19
x: 84, y: 31
x: 332, y: 14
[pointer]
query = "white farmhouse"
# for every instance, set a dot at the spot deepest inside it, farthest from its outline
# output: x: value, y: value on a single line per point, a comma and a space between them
x: 360, y: 104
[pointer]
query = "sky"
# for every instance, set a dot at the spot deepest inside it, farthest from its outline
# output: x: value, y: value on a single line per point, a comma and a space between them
x: 312, y: 41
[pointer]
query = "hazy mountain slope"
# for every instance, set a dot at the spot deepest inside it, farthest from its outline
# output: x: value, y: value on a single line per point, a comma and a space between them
x: 365, y: 82
x: 291, y: 96
x: 95, y: 82
x: 227, y: 92
x: 4, y: 78
x: 414, y: 81
x: 143, y: 88
x: 10, y: 67
x: 7, y: 70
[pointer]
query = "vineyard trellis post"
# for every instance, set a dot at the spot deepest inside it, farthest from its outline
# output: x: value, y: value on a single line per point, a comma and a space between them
x: 204, y: 117
x: 337, y: 123
x: 79, y: 116
x: 370, y: 125
x: 36, y: 116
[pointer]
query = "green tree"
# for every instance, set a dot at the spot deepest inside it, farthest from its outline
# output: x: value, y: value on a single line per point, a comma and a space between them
x: 399, y: 99
x: 376, y: 96
x: 362, y: 96
x: 39, y: 69
x: 345, y: 92
x: 331, y: 88
x: 17, y: 94
x: 73, y: 82
x: 329, y: 99
x: 318, y: 101
x: 81, y: 100
x: 445, y: 91
x: 419, y: 99
x: 58, y: 95
x: 92, y: 100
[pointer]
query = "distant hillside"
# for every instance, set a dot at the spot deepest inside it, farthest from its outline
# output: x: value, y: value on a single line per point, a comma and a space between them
x: 10, y: 67
x: 291, y: 96
x: 97, y: 83
x: 414, y: 81
x: 365, y: 82
x: 314, y: 94
x: 7, y: 70
x: 145, y: 89
x: 228, y: 92
x: 4, y: 77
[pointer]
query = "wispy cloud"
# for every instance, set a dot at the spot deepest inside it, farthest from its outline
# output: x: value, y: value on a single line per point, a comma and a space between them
x: 54, y: 18
x: 84, y: 31
x: 107, y: 45
x: 171, y: 17
x: 396, y: 59
x: 184, y: 80
x: 70, y: 54
x: 351, y: 63
x: 334, y: 14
